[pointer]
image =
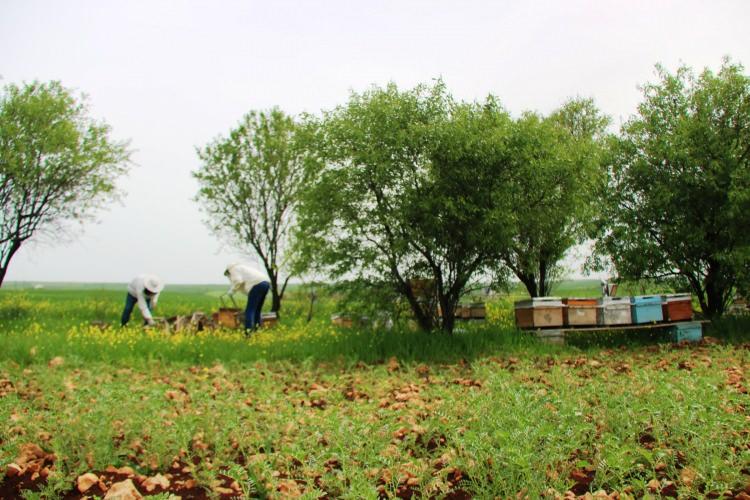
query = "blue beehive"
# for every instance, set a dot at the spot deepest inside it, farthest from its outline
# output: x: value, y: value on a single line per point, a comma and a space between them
x: 646, y: 308
x: 691, y: 332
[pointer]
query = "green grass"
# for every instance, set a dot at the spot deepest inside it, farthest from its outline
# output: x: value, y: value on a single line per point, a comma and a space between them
x: 361, y: 413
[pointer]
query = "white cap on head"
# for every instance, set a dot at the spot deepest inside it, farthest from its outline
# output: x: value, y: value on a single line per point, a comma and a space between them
x: 153, y: 284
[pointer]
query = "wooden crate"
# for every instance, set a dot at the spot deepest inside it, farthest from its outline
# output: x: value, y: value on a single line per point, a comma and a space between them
x: 580, y: 311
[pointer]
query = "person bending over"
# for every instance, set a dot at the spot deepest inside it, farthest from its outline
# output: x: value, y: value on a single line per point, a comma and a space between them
x: 246, y: 279
x: 144, y: 290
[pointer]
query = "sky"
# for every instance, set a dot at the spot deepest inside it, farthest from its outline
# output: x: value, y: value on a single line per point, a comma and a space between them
x: 170, y: 76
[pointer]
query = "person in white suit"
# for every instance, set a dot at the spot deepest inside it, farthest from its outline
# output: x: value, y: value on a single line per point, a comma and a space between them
x: 144, y: 290
x: 248, y: 280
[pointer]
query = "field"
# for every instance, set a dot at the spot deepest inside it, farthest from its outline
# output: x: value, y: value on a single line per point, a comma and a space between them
x: 313, y: 411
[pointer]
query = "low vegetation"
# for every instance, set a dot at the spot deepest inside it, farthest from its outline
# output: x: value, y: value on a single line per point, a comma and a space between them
x: 314, y: 411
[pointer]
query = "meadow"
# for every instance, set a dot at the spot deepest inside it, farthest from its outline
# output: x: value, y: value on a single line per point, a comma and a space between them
x: 310, y: 410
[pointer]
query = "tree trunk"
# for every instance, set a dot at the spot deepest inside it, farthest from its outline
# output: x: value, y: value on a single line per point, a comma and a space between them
x: 3, y: 270
x: 424, y: 320
x: 449, y: 322
x: 529, y: 281
x: 448, y: 307
x: 543, y: 285
x: 712, y: 290
x: 275, y: 296
x: 313, y: 296
x: 716, y: 291
x: 14, y: 246
x: 275, y: 301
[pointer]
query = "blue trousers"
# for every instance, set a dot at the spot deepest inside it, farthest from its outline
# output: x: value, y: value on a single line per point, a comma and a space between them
x: 130, y: 303
x: 255, y: 303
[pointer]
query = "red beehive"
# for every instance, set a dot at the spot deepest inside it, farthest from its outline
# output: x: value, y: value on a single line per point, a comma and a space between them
x: 677, y: 307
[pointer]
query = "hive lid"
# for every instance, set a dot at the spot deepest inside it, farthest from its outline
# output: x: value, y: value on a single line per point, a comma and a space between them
x: 614, y: 300
x: 671, y: 297
x: 646, y: 299
x: 539, y: 302
x: 580, y: 299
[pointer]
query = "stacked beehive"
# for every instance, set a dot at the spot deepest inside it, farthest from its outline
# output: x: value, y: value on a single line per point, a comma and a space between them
x: 573, y: 312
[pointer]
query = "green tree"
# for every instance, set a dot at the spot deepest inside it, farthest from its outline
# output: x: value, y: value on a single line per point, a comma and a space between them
x: 408, y: 188
x: 249, y: 188
x: 56, y: 164
x: 557, y: 164
x: 679, y: 185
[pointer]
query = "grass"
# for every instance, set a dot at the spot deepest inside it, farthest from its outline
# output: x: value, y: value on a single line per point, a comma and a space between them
x: 316, y: 411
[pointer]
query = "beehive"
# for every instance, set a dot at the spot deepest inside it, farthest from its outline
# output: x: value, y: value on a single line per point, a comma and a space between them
x: 268, y: 320
x: 646, y: 309
x: 614, y: 311
x: 691, y: 332
x: 228, y: 317
x: 459, y: 311
x: 539, y: 312
x: 677, y: 307
x: 477, y: 310
x: 344, y: 321
x: 579, y: 311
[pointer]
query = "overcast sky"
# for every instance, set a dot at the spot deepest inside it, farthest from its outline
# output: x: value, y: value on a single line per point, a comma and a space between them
x: 171, y: 76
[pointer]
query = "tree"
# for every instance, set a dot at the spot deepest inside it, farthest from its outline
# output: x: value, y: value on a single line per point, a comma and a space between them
x: 557, y: 166
x: 408, y: 188
x: 249, y: 188
x: 679, y: 185
x: 56, y: 164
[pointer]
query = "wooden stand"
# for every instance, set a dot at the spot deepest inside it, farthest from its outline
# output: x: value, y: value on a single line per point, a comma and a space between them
x: 557, y: 335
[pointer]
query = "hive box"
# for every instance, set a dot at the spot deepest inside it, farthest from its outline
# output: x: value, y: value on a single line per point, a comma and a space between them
x: 677, y: 307
x: 539, y: 312
x: 614, y: 311
x: 268, y: 320
x: 579, y: 312
x: 345, y: 321
x: 459, y: 311
x: 228, y: 317
x: 477, y: 310
x: 646, y: 309
x: 691, y: 332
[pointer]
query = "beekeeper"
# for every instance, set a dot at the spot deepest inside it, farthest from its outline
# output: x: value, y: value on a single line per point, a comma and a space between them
x: 609, y: 289
x: 144, y: 290
x: 248, y: 280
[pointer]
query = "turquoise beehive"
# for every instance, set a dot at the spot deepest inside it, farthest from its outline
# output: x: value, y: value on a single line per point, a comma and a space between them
x: 689, y: 331
x: 646, y: 308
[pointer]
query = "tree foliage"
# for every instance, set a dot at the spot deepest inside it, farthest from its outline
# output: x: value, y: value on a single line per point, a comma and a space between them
x: 409, y: 192
x: 556, y: 163
x: 679, y: 183
x: 249, y: 188
x: 56, y: 163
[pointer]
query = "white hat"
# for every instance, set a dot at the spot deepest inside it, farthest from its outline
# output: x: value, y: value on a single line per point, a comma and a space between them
x: 153, y: 284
